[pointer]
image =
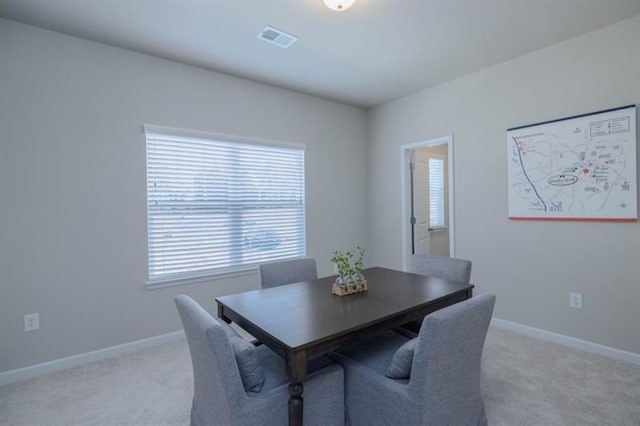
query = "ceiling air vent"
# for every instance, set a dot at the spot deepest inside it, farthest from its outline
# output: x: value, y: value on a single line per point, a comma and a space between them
x: 277, y: 37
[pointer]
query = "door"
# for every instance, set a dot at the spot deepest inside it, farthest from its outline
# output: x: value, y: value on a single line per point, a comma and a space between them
x: 429, y: 194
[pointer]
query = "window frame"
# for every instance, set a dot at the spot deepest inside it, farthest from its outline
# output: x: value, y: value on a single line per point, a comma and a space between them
x: 208, y: 275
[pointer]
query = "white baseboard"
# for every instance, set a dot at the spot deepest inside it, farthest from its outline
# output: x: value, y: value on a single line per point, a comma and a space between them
x: 25, y: 373
x: 571, y: 342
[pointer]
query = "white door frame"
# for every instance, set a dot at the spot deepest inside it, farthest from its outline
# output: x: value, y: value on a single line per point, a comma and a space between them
x: 404, y: 185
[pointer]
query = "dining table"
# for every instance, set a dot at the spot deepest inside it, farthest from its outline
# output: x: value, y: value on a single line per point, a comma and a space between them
x: 304, y: 320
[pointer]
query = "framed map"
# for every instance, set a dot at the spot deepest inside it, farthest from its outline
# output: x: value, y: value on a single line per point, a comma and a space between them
x: 575, y: 168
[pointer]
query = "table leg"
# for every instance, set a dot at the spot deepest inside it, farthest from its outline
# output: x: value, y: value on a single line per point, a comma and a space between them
x: 221, y: 314
x: 296, y: 407
x: 297, y: 370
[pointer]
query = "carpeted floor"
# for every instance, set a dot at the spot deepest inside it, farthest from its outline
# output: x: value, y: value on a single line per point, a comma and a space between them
x: 525, y: 381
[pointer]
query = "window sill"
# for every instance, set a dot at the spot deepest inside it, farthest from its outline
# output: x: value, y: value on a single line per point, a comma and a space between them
x: 195, y: 279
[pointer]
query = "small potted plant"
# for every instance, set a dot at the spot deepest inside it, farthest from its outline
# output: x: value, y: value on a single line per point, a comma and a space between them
x: 350, y: 279
x: 343, y: 263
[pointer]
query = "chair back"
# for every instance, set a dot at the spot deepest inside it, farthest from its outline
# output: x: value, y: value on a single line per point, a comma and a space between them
x: 217, y: 384
x: 445, y: 374
x: 448, y: 268
x: 287, y: 271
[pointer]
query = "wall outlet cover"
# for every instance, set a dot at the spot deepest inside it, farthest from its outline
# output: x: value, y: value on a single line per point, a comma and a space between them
x: 31, y: 322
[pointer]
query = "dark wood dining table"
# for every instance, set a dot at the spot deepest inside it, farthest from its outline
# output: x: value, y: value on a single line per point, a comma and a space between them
x: 305, y: 320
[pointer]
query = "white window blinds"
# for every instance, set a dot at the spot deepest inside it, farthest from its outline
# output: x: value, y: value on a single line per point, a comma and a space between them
x: 436, y: 193
x: 216, y: 206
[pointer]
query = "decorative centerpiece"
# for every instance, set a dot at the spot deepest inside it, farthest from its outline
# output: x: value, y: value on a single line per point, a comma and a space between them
x: 350, y: 279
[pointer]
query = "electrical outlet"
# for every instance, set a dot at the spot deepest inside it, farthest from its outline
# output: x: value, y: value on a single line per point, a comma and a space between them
x: 31, y: 322
x: 575, y: 300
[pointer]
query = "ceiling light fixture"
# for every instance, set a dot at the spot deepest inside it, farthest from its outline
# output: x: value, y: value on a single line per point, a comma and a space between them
x: 339, y: 5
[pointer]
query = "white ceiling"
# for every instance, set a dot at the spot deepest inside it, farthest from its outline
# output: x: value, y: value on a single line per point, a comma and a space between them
x: 376, y: 51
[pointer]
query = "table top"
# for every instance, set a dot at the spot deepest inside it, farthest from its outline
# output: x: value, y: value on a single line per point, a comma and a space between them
x: 301, y: 314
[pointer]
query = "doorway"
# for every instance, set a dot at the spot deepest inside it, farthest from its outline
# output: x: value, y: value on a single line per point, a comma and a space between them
x: 427, y: 207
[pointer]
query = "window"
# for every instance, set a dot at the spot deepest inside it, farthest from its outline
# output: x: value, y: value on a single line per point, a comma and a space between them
x: 436, y: 193
x: 220, y: 205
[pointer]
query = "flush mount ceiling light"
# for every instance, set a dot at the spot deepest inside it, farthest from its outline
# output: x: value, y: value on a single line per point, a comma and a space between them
x: 339, y: 5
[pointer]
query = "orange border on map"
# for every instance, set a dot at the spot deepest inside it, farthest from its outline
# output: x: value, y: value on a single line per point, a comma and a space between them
x: 577, y: 219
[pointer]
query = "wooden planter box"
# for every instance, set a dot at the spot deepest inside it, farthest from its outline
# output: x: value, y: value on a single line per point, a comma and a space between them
x: 347, y: 289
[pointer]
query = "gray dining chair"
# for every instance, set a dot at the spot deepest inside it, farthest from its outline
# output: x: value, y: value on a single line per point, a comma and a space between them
x: 273, y: 274
x: 448, y: 268
x: 236, y: 383
x: 432, y: 379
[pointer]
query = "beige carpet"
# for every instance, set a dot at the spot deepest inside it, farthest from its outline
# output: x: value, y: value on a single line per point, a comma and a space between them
x: 525, y: 381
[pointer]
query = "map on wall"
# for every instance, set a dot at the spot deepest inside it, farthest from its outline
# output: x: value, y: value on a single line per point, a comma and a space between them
x: 575, y: 168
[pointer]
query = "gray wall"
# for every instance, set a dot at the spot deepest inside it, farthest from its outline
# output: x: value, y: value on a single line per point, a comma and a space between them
x: 531, y: 266
x: 72, y: 184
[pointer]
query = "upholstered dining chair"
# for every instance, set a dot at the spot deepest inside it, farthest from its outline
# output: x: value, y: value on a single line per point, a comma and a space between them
x: 448, y: 268
x: 273, y: 274
x: 236, y: 383
x: 432, y: 379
